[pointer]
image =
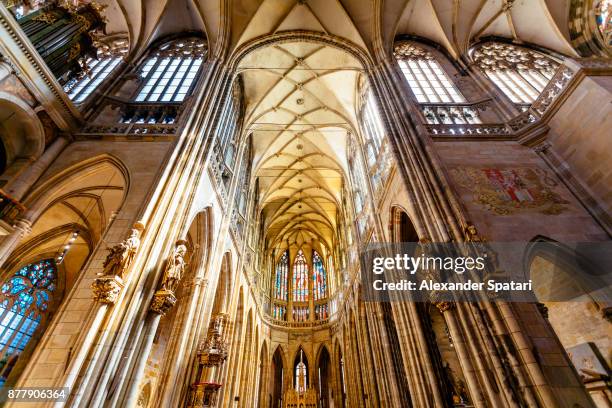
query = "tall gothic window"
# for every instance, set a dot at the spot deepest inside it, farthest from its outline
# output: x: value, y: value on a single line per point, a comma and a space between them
x: 425, y: 76
x: 242, y: 190
x: 301, y: 375
x: 26, y: 297
x: 300, y: 278
x: 96, y: 70
x: 319, y: 277
x: 359, y: 186
x: 280, y: 282
x: 371, y: 120
x: 374, y: 141
x: 519, y: 73
x: 441, y: 102
x: 171, y: 71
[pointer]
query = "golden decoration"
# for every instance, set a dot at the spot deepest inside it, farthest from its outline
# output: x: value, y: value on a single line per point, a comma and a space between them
x: 106, y: 289
x: 75, y: 51
x: 163, y: 301
x: 444, y: 306
x: 48, y: 18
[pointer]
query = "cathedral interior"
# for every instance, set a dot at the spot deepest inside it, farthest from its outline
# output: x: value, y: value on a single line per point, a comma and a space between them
x: 186, y: 187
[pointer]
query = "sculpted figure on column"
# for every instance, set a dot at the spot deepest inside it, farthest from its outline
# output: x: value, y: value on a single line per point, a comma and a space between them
x: 121, y: 255
x: 174, y: 268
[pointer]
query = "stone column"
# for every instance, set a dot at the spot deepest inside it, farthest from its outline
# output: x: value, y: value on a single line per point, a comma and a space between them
x: 19, y: 186
x: 8, y: 244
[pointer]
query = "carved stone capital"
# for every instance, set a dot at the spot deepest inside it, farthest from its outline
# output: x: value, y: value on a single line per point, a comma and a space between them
x: 106, y: 289
x: 163, y: 301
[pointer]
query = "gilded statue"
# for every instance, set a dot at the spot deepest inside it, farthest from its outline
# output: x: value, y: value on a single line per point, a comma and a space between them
x: 175, y: 267
x: 121, y: 255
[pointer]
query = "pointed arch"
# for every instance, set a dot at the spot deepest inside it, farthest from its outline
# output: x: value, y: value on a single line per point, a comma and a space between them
x: 323, y: 376
x: 224, y: 285
x: 81, y: 173
x: 401, y: 226
x: 301, y: 370
x: 278, y: 372
x: 246, y: 361
x: 201, y: 230
x: 263, y: 375
x: 23, y: 135
x: 70, y: 213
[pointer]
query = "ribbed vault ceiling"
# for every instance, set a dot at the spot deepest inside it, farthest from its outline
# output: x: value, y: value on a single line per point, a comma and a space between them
x: 300, y: 106
x: 455, y: 24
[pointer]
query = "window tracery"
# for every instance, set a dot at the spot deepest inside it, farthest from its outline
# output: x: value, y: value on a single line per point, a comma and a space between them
x: 441, y: 101
x: 518, y: 72
x: 425, y: 76
x: 26, y: 298
x: 109, y: 55
x: 171, y: 71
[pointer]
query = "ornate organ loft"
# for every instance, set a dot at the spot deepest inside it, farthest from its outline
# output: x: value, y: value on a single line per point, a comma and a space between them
x: 186, y: 187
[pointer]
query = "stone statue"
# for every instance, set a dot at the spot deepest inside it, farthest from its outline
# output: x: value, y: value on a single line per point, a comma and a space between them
x: 121, y: 255
x: 174, y: 268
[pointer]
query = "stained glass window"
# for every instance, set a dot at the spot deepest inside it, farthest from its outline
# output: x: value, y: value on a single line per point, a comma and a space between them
x: 321, y: 312
x: 301, y: 313
x: 280, y: 283
x: 278, y: 312
x: 300, y: 278
x: 518, y: 72
x: 24, y: 301
x: 319, y: 277
x: 170, y: 72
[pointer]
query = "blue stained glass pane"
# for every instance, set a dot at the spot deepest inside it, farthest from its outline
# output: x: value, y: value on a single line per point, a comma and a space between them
x: 32, y: 282
x: 6, y: 335
x: 7, y: 318
x: 16, y: 320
